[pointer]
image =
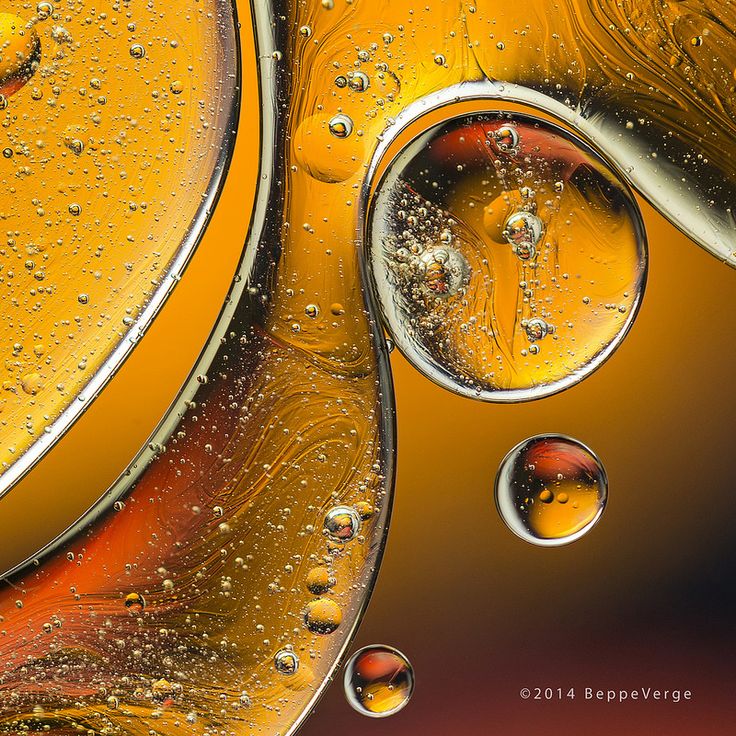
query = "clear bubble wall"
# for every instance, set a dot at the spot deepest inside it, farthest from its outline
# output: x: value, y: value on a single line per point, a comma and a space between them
x: 508, y: 259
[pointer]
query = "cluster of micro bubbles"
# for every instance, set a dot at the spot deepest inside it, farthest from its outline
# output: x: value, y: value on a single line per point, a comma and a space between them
x: 426, y: 260
x: 323, y: 615
x: 428, y: 268
x: 98, y: 122
x: 378, y: 681
x: 523, y: 230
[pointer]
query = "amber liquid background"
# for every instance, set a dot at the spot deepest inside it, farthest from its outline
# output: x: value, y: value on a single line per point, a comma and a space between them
x: 646, y: 600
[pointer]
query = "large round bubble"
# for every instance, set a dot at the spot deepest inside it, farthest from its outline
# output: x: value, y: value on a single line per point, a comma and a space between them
x: 507, y: 257
x: 551, y: 490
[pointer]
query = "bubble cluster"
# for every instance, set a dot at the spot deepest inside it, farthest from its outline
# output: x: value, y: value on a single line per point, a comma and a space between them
x: 378, y: 681
x: 551, y: 490
x: 508, y: 259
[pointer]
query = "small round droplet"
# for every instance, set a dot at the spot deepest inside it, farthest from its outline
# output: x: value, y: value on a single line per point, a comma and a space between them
x: 341, y: 81
x: 137, y: 51
x: 322, y: 616
x: 311, y: 310
x: 342, y: 523
x: 444, y: 271
x: 44, y: 10
x: 506, y: 138
x: 378, y: 681
x: 440, y: 60
x: 551, y: 490
x: 135, y: 601
x: 75, y: 209
x: 324, y: 147
x: 286, y: 662
x: 83, y: 299
x: 319, y: 580
x: 75, y: 145
x: 341, y: 126
x: 365, y: 509
x: 537, y: 328
x: 31, y: 383
x: 176, y: 87
x: 8, y: 152
x: 523, y: 231
x: 359, y: 81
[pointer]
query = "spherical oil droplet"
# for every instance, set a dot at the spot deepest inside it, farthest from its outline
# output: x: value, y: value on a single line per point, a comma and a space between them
x: 286, y: 662
x: 551, y: 490
x: 342, y: 523
x: 473, y: 253
x: 319, y: 580
x: 341, y: 126
x: 378, y: 681
x: 322, y: 616
x: 135, y: 601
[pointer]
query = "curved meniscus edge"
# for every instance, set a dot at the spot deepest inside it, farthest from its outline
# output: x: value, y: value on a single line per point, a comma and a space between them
x: 483, y: 92
x: 264, y: 22
x: 59, y: 427
x: 646, y: 180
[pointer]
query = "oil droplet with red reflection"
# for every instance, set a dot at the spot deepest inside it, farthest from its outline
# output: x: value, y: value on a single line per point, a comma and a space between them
x: 551, y: 490
x: 378, y: 681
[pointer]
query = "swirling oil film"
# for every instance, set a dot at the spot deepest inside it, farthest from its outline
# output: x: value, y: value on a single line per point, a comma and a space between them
x: 460, y: 175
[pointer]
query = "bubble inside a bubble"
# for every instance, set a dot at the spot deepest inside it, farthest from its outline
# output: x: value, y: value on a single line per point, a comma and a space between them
x: 507, y: 258
x: 551, y: 490
x: 378, y: 681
